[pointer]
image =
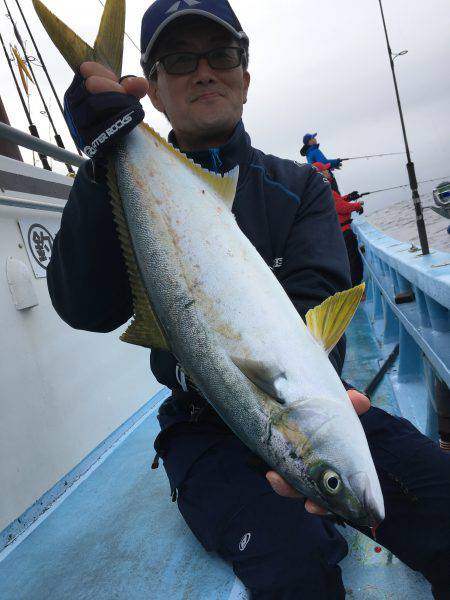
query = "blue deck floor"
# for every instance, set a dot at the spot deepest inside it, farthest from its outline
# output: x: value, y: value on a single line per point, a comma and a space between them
x: 118, y: 536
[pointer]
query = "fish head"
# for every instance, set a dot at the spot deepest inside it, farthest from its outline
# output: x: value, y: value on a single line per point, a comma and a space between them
x: 329, y: 461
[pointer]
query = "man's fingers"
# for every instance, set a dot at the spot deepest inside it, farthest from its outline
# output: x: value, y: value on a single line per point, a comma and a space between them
x: 90, y: 68
x: 280, y: 486
x: 315, y: 509
x: 360, y: 402
x: 136, y: 86
x: 98, y: 85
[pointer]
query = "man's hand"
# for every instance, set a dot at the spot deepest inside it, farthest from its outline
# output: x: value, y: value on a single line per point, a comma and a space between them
x: 352, y: 196
x: 361, y: 404
x: 100, y: 109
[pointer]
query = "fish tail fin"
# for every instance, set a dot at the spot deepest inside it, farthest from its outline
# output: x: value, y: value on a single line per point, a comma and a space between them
x: 108, y: 46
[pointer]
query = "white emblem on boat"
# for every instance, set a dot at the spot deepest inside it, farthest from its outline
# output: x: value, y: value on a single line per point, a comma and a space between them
x: 244, y: 541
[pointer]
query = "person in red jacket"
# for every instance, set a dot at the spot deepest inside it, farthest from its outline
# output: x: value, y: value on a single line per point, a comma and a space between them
x: 344, y: 207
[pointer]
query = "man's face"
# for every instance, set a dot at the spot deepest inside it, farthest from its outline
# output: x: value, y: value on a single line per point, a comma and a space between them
x: 207, y: 103
x: 312, y: 142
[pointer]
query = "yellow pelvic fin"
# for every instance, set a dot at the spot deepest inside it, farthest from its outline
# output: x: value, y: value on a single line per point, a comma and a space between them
x: 145, y: 329
x: 223, y: 185
x: 108, y: 47
x: 328, y: 321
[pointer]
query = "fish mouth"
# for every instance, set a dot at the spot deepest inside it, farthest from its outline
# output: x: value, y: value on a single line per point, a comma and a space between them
x: 371, y: 512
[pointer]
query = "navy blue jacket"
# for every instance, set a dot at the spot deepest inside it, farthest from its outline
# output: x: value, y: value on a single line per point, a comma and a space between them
x: 285, y: 210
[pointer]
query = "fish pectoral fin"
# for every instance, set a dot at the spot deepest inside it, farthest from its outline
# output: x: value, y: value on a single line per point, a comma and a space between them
x: 328, y: 321
x: 264, y: 376
x: 108, y: 47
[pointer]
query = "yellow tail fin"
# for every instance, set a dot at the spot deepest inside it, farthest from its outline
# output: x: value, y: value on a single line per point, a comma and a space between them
x: 108, y: 47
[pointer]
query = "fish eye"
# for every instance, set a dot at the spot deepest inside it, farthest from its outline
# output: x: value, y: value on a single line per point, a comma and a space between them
x: 331, y: 482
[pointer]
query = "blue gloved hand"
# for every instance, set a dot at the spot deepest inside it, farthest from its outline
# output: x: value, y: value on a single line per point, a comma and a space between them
x: 96, y: 121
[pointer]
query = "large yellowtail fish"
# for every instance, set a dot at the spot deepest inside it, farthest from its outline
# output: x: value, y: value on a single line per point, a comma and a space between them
x: 202, y: 291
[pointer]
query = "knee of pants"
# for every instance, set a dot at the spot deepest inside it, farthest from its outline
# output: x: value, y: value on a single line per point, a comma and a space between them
x: 274, y: 544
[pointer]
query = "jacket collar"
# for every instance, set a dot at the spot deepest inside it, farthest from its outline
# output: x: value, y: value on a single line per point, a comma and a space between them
x: 237, y: 151
x: 313, y: 147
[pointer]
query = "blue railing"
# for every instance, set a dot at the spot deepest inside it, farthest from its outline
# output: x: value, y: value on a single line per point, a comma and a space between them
x: 408, y: 303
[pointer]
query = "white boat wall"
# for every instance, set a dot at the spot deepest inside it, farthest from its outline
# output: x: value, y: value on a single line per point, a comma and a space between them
x: 62, y: 391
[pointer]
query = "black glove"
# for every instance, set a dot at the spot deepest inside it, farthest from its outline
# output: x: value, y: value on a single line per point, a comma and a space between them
x: 97, y: 121
x: 360, y: 211
x: 353, y: 196
x: 338, y: 164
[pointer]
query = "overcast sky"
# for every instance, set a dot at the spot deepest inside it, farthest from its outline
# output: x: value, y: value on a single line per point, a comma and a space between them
x: 320, y: 67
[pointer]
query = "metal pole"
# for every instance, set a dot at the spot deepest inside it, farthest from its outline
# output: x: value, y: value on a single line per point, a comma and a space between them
x: 409, y: 165
x: 37, y: 145
x: 41, y: 60
x: 31, y: 126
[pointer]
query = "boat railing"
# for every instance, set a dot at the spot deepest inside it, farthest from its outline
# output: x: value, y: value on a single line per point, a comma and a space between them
x: 408, y: 302
x: 16, y: 136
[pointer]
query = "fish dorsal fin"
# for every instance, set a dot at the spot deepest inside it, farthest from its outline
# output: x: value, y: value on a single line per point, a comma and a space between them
x: 224, y: 186
x: 71, y: 46
x: 264, y: 376
x: 108, y: 47
x: 328, y: 321
x: 145, y: 329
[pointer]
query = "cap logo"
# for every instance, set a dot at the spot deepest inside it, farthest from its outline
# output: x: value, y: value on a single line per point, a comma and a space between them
x: 176, y: 5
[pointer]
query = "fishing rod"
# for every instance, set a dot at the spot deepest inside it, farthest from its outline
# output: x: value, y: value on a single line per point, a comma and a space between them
x: 397, y: 187
x: 31, y: 126
x: 409, y: 164
x: 42, y: 64
x: 373, y: 155
x: 58, y: 139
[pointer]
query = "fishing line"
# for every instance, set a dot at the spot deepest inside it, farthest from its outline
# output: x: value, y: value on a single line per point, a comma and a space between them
x: 129, y: 37
x: 373, y: 155
x: 396, y: 187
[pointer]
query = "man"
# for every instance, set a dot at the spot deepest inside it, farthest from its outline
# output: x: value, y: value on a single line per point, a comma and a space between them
x: 313, y: 154
x: 344, y: 209
x: 195, y: 57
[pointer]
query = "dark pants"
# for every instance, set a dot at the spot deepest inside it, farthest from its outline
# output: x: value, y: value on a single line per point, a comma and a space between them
x: 354, y: 257
x: 281, y: 552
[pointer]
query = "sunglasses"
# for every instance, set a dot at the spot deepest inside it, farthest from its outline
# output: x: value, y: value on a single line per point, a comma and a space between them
x: 182, y: 63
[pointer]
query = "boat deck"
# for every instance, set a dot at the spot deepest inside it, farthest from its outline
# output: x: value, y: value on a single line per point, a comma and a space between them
x: 117, y: 535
